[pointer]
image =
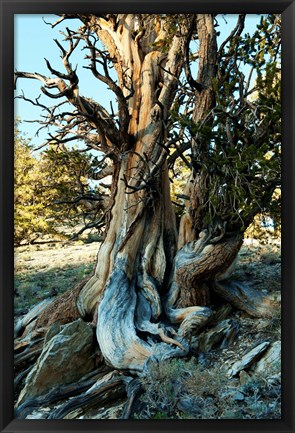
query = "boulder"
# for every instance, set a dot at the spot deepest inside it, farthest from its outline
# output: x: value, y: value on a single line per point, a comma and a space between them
x: 270, y: 363
x: 65, y: 358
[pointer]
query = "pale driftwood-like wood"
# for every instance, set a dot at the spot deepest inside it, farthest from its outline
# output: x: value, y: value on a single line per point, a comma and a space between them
x: 223, y: 335
x: 60, y: 393
x: 109, y: 387
x: 220, y: 314
x: 31, y: 316
x: 246, y: 298
x: 29, y: 355
x: 20, y: 377
x: 134, y: 391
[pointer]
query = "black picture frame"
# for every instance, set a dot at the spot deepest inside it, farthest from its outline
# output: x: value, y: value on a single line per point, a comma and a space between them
x: 7, y: 11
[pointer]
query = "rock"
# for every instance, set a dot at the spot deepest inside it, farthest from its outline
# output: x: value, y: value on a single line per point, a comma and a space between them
x: 65, y: 358
x: 244, y: 377
x: 234, y: 395
x: 271, y: 361
x: 222, y: 334
x: 54, y: 329
x: 262, y: 324
x: 238, y: 396
x: 248, y: 359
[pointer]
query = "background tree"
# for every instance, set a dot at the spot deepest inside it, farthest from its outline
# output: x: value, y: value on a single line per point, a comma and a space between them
x: 152, y: 287
x: 78, y: 204
x: 32, y: 214
x: 53, y: 195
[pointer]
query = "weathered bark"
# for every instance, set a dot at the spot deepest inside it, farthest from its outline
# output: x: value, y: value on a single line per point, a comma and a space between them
x: 140, y: 244
x: 135, y: 261
x: 62, y: 310
x: 199, y: 263
x: 208, y: 243
x: 134, y: 391
x: 59, y: 393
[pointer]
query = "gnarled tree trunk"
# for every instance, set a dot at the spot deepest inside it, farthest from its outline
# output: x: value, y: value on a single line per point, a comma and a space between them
x: 136, y: 258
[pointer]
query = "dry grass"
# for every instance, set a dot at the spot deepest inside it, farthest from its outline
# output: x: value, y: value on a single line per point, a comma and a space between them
x: 50, y: 269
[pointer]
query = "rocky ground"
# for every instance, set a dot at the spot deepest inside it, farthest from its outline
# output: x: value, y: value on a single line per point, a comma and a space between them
x: 233, y: 370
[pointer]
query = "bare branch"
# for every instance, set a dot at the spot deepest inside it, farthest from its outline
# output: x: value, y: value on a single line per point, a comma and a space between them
x: 55, y: 95
x: 57, y: 73
x: 48, y: 82
x: 179, y: 152
x: 123, y: 108
x: 236, y: 32
x: 107, y: 170
x: 96, y: 224
x: 192, y: 82
x: 61, y: 19
x: 36, y: 102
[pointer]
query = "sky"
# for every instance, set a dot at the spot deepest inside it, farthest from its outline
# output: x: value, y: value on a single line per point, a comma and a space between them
x: 33, y: 41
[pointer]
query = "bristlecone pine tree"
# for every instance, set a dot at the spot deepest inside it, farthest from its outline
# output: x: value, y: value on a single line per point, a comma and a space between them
x: 155, y: 284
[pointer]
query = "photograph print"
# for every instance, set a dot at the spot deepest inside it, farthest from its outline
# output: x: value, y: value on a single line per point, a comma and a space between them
x: 147, y: 216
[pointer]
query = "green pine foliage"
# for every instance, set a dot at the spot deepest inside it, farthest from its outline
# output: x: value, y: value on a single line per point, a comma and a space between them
x: 32, y: 214
x: 49, y: 189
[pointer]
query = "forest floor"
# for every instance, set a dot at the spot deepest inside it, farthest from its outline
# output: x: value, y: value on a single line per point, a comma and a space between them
x: 49, y: 269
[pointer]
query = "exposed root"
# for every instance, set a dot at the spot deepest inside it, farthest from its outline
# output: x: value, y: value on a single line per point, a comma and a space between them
x: 60, y: 393
x: 28, y: 356
x: 246, y: 299
x: 134, y: 391
x: 169, y: 340
x: 107, y: 388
